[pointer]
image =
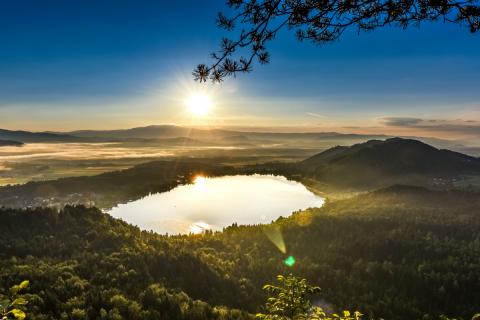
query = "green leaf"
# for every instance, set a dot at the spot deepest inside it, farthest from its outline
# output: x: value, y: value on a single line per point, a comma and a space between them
x: 17, y: 314
x: 4, y: 302
x: 24, y: 284
x: 14, y: 290
x: 18, y: 302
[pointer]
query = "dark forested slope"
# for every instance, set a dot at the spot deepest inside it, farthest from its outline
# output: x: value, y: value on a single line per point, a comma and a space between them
x: 389, y: 160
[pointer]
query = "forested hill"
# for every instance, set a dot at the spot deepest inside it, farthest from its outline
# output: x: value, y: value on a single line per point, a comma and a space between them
x: 398, y: 253
x: 393, y: 159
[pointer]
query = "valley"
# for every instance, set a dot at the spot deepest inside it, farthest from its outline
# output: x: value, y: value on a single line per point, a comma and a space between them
x: 336, y: 172
x: 47, y: 155
x: 395, y: 209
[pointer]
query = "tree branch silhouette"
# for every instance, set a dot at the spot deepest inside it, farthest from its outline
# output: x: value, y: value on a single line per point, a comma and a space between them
x: 318, y: 21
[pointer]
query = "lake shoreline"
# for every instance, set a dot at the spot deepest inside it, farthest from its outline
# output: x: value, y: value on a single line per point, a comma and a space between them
x: 213, y: 203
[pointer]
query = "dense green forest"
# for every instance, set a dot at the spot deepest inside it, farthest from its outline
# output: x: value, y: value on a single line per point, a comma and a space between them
x: 397, y: 253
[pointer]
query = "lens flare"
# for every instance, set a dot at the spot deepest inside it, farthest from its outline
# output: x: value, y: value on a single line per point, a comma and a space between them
x: 274, y: 234
x: 290, y: 261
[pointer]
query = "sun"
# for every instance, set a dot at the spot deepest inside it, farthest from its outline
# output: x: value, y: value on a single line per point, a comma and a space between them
x: 199, y: 104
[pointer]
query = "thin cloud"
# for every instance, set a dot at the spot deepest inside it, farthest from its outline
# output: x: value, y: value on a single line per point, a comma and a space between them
x: 401, y: 121
x: 316, y: 115
x: 466, y: 127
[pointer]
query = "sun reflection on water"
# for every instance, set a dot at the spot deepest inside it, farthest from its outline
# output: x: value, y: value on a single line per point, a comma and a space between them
x: 218, y: 202
x: 200, y: 182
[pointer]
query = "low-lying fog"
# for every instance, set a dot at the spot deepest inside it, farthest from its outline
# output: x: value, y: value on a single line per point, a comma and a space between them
x: 45, y: 161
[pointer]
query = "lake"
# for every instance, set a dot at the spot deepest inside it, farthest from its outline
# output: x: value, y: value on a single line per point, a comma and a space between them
x: 214, y: 203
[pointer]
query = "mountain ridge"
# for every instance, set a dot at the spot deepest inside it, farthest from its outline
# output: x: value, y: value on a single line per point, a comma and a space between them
x: 394, y: 158
x: 28, y: 136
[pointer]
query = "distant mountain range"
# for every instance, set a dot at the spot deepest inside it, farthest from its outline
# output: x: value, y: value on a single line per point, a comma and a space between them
x: 172, y: 135
x: 383, y: 161
x: 149, y: 132
x: 29, y: 137
x: 4, y: 143
x: 173, y: 131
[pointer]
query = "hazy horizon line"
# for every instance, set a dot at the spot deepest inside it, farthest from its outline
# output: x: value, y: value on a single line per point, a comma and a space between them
x: 298, y: 129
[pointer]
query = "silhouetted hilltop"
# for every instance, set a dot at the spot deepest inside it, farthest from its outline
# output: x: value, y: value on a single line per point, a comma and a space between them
x: 394, y: 158
x: 174, y: 131
x: 150, y: 132
x: 4, y: 143
x: 27, y: 136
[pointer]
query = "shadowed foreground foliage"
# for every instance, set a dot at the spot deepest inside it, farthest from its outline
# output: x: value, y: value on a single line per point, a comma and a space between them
x: 291, y: 300
x: 288, y: 301
x: 12, y: 306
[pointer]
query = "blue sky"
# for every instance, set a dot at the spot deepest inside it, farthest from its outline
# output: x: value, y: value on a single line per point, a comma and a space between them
x: 112, y: 64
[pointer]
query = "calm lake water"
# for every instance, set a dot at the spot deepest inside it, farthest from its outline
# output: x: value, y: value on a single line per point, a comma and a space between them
x: 214, y: 203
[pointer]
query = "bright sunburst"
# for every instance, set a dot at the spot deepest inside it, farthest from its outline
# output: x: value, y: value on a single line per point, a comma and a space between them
x: 199, y: 104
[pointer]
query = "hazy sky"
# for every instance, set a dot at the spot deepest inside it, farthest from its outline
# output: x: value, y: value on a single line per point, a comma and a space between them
x: 114, y: 64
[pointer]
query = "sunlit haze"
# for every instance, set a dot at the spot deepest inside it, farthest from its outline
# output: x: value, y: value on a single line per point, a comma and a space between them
x: 98, y: 72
